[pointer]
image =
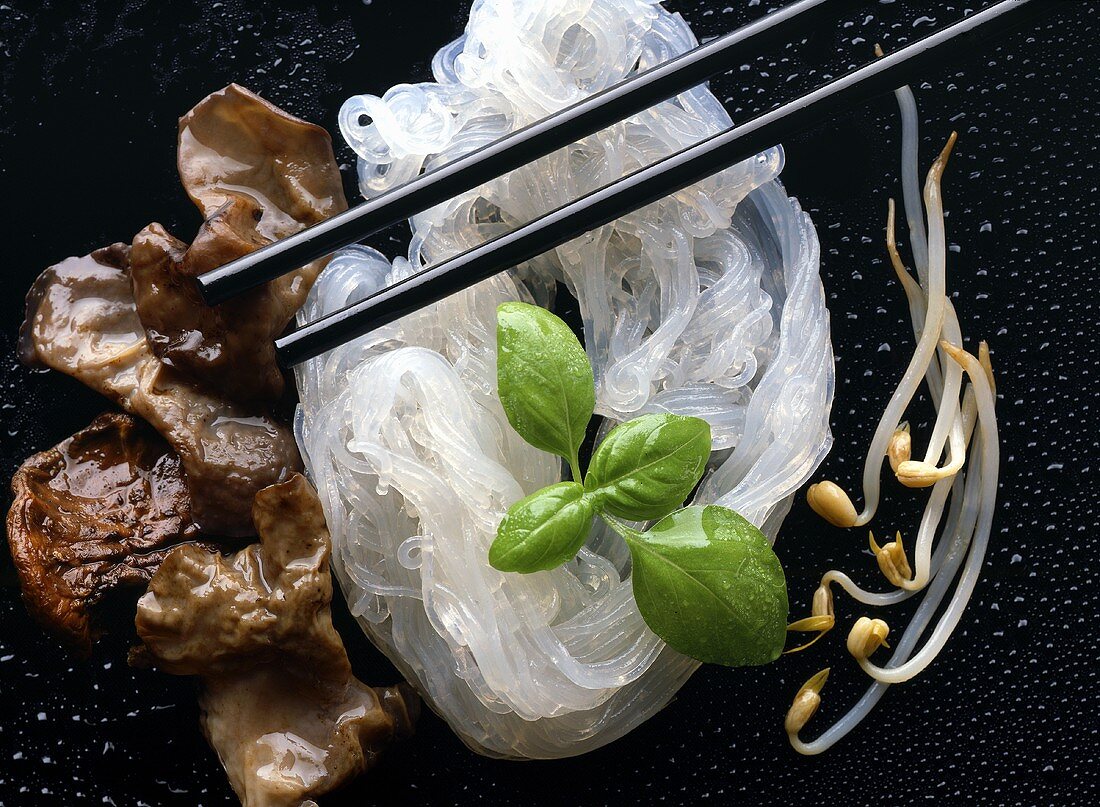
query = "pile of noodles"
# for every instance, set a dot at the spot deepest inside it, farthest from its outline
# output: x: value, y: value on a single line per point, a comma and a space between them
x: 707, y: 303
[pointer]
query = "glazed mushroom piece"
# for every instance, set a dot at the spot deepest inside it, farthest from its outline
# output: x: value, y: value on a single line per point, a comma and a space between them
x: 81, y: 320
x: 97, y: 513
x: 257, y: 174
x: 279, y: 702
x: 130, y: 322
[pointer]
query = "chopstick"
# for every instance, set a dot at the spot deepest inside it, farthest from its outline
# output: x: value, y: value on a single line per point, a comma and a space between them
x: 567, y: 126
x: 648, y: 184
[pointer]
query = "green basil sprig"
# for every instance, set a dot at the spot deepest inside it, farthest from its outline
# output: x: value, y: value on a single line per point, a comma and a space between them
x: 706, y: 580
x: 545, y: 380
x: 544, y: 530
x: 647, y: 466
x: 708, y: 583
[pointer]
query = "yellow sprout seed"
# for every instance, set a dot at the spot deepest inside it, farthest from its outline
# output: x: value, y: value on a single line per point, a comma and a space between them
x: 900, y: 448
x: 802, y: 709
x: 892, y: 560
x: 823, y: 601
x: 820, y: 622
x: 867, y: 636
x: 919, y: 474
x: 829, y: 501
x: 805, y: 703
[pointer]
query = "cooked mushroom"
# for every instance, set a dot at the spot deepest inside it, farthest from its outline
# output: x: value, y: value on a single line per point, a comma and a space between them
x: 96, y: 513
x: 280, y: 705
x: 81, y: 321
x: 257, y: 174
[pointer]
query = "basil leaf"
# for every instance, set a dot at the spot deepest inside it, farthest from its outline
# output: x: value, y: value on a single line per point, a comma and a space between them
x: 544, y: 530
x: 649, y: 465
x: 708, y: 583
x: 545, y: 379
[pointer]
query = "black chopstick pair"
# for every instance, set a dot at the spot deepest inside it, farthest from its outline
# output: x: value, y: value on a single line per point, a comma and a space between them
x: 560, y: 129
x: 604, y: 205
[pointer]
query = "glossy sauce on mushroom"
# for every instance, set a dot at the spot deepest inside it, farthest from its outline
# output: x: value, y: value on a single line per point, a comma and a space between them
x: 96, y: 513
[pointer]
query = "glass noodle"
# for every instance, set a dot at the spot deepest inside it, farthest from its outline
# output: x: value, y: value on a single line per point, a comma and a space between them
x: 707, y: 303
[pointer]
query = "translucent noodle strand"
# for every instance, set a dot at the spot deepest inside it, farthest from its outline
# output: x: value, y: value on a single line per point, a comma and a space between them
x: 706, y: 303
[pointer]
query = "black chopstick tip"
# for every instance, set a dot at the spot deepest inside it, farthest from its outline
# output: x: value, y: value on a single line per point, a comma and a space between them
x: 285, y: 351
x: 213, y: 287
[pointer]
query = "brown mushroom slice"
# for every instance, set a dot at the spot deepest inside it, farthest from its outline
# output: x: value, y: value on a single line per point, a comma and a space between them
x: 233, y: 142
x: 280, y: 705
x: 81, y: 321
x: 98, y: 512
x: 284, y: 738
x: 257, y: 174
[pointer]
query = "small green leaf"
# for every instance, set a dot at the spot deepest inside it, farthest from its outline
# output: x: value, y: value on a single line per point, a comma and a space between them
x: 544, y: 530
x: 647, y: 466
x: 708, y: 583
x: 545, y: 379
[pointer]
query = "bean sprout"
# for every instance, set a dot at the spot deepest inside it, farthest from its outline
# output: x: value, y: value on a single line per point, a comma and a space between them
x: 972, y: 494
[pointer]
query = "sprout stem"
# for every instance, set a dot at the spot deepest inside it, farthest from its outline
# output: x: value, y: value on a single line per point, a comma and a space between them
x: 910, y: 180
x: 926, y: 345
x: 914, y: 294
x: 989, y: 467
x: 968, y: 497
x: 954, y: 552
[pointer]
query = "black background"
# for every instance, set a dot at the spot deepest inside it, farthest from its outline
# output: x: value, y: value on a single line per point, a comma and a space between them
x: 1008, y: 714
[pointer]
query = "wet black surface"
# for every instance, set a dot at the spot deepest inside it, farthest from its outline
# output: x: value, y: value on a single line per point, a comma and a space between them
x: 89, y: 95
